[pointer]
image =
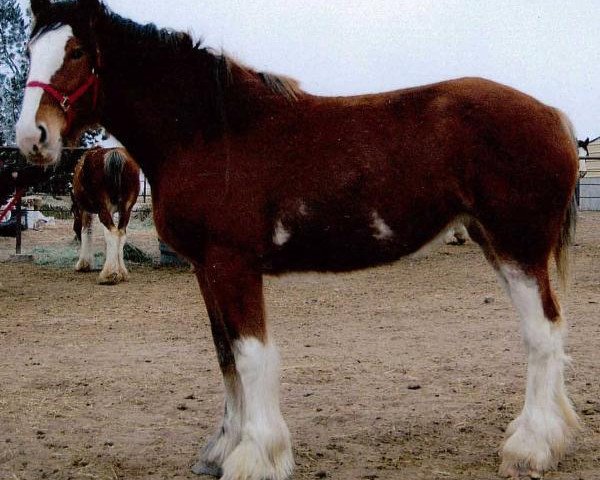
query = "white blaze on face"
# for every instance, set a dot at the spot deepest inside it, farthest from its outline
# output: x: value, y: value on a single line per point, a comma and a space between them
x: 47, y: 52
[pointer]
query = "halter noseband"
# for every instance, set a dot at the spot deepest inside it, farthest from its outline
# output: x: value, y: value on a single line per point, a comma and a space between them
x: 66, y: 101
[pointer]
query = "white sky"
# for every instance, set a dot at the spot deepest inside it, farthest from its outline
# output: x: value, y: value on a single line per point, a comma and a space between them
x: 547, y: 48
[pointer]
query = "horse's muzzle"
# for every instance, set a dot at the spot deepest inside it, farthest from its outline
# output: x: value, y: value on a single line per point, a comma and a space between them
x: 37, y: 146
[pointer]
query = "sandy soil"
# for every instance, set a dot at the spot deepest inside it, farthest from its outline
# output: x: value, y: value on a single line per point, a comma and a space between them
x: 405, y: 371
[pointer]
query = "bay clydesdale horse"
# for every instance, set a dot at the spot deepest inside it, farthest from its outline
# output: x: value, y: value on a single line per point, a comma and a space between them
x: 251, y: 175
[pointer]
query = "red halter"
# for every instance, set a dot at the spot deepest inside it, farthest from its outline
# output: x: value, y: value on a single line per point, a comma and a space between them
x: 66, y: 101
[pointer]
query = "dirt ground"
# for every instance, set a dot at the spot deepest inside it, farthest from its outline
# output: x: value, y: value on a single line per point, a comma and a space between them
x: 409, y: 371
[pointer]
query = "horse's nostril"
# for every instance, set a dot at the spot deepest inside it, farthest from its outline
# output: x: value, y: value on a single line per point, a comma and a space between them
x: 43, y: 134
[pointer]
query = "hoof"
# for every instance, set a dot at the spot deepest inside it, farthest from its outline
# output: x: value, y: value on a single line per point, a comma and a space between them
x: 202, y: 468
x: 458, y: 242
x: 517, y: 473
x: 83, y: 266
x: 527, y: 455
x: 251, y: 461
x: 110, y: 278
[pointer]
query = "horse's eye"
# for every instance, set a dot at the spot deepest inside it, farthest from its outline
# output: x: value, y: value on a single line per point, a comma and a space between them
x: 77, y: 54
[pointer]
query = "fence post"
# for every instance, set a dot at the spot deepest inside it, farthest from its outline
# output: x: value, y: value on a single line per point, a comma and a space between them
x: 18, y: 214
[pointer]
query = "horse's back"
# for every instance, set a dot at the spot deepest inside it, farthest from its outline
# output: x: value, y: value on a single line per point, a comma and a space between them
x: 471, y: 136
x: 410, y: 161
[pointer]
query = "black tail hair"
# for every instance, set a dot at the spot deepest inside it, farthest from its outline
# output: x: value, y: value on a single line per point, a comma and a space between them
x: 569, y: 226
x: 114, y: 161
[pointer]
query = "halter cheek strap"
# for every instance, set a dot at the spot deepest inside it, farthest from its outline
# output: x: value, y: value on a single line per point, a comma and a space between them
x: 66, y: 101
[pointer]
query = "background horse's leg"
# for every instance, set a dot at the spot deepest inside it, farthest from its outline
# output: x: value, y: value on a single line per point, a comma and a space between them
x: 254, y: 442
x: 86, y: 253
x: 110, y: 273
x: 77, y: 220
x: 456, y: 234
x: 124, y: 216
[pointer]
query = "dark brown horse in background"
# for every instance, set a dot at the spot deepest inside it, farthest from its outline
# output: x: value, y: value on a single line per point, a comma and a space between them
x: 251, y: 175
x: 106, y: 181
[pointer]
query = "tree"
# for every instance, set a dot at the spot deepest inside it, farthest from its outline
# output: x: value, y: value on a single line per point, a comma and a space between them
x: 13, y: 66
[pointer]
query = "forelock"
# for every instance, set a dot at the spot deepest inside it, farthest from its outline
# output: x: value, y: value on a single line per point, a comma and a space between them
x: 67, y: 12
x: 52, y: 18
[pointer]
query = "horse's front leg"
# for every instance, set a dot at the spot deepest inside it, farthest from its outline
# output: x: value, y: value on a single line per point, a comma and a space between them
x: 253, y: 442
x: 229, y: 433
x: 86, y: 253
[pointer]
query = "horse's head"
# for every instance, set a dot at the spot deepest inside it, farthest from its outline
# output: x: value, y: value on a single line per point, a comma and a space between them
x: 62, y: 87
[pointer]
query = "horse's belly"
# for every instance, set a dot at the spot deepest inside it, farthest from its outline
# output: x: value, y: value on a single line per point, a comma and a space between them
x: 335, y: 248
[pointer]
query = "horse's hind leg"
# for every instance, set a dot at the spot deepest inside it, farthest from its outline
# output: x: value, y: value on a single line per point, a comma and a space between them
x: 110, y: 274
x: 124, y: 216
x: 538, y: 437
x: 86, y: 254
x: 253, y: 442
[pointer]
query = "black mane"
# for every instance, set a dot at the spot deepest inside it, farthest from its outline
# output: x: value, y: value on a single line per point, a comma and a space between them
x: 165, y: 41
x: 152, y: 38
x: 149, y: 37
x: 68, y: 12
x: 155, y: 41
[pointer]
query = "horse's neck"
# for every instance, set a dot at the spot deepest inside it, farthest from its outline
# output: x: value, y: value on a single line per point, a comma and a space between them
x: 156, y: 115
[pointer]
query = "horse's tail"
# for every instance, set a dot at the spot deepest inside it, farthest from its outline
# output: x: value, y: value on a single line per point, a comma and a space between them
x: 114, y: 162
x: 565, y: 240
x: 569, y: 225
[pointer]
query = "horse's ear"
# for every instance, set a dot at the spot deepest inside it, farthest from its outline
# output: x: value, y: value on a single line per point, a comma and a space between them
x: 39, y: 6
